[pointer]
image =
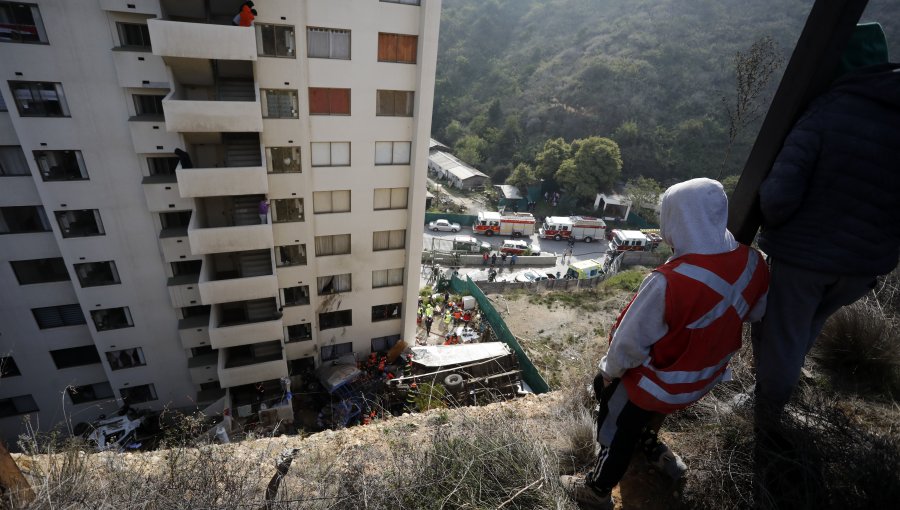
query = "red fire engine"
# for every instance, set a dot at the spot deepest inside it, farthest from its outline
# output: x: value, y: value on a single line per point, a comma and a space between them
x: 580, y: 228
x: 506, y: 224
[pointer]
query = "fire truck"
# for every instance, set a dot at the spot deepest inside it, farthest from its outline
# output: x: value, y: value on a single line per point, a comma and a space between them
x: 629, y: 240
x: 506, y: 224
x: 580, y: 228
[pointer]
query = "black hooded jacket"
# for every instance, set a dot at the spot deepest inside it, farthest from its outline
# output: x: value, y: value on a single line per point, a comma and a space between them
x: 832, y: 200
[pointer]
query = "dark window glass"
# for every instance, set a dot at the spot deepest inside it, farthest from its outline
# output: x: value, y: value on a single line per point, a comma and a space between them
x: 162, y: 166
x: 8, y: 367
x: 60, y: 165
x: 384, y: 343
x: 17, y: 405
x: 58, y: 316
x: 40, y: 270
x: 12, y: 160
x: 80, y: 223
x: 330, y: 352
x: 39, y: 99
x: 21, y: 23
x: 337, y: 319
x: 95, y: 274
x: 299, y: 332
x: 296, y: 295
x: 23, y: 220
x: 75, y: 356
x: 145, y: 104
x: 275, y: 40
x: 385, y: 312
x: 112, y: 318
x: 138, y: 394
x: 186, y: 267
x: 134, y: 34
x: 280, y: 104
x: 195, y: 311
x: 292, y: 255
x: 175, y: 219
x: 126, y: 358
x: 394, y: 103
x: 90, y: 392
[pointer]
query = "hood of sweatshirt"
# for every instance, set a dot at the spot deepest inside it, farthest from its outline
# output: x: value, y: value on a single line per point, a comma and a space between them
x: 694, y: 218
x: 880, y: 83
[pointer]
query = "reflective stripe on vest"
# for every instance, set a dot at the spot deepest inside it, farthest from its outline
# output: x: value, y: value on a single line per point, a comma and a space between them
x: 732, y: 295
x: 686, y: 377
x: 662, y: 395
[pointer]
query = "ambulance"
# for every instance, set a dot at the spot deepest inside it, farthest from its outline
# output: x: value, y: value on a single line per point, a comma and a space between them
x: 584, y: 269
x: 505, y: 224
x: 579, y: 228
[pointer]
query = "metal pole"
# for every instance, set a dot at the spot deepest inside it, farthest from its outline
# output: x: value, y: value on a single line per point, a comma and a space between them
x: 808, y: 74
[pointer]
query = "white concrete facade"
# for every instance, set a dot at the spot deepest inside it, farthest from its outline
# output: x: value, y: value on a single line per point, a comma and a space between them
x: 217, y: 279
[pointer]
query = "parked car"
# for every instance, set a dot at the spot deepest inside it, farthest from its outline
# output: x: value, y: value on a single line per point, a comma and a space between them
x: 530, y: 275
x: 443, y: 225
x: 515, y: 248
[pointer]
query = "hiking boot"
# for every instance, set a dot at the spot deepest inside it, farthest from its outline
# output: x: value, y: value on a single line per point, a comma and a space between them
x: 585, y: 495
x: 665, y: 460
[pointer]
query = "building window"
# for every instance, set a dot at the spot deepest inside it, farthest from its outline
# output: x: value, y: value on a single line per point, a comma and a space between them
x: 96, y: 274
x: 39, y: 99
x: 283, y: 160
x: 61, y: 165
x: 13, y: 406
x: 335, y: 351
x: 390, y: 198
x: 397, y: 48
x: 327, y: 43
x: 12, y: 161
x: 387, y: 278
x: 162, y: 165
x: 126, y: 358
x: 330, y: 153
x: 138, y: 394
x: 384, y: 343
x: 280, y: 104
x: 394, y: 103
x: 90, y: 392
x: 332, y: 245
x: 75, y: 356
x: 80, y: 223
x: 133, y: 35
x: 286, y: 210
x: 325, y: 101
x: 112, y: 318
x: 23, y: 220
x: 331, y: 201
x: 275, y: 40
x: 299, y: 332
x: 406, y: 2
x: 291, y: 255
x: 40, y: 270
x: 392, y: 153
x: 148, y: 105
x: 385, y: 312
x: 58, y: 316
x: 21, y: 23
x: 296, y: 296
x: 388, y: 240
x: 177, y: 219
x: 334, y: 284
x: 8, y: 367
x: 186, y: 267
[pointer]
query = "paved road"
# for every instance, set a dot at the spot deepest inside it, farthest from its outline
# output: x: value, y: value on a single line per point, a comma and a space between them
x: 581, y: 251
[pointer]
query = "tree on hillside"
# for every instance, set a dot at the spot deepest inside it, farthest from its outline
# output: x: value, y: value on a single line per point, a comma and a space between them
x: 523, y: 176
x: 644, y: 192
x: 729, y: 183
x: 471, y: 149
x: 594, y: 167
x: 550, y: 158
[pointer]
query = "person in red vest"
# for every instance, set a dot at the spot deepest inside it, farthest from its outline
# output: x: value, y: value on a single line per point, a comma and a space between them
x: 671, y: 344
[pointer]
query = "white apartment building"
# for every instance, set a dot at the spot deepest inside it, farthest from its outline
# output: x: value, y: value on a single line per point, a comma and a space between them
x: 128, y: 274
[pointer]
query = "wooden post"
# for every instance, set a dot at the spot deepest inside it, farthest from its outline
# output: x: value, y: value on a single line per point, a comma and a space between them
x: 12, y: 479
x: 808, y: 74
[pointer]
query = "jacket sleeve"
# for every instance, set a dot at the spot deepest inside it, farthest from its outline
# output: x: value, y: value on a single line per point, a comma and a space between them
x: 782, y: 192
x: 641, y: 327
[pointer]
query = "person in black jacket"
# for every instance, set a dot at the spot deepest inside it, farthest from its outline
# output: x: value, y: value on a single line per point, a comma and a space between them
x: 831, y: 212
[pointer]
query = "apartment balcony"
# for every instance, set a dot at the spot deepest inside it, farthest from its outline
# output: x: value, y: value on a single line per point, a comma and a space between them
x: 184, y: 115
x: 228, y: 224
x: 244, y: 322
x: 137, y: 68
x: 248, y: 364
x: 194, y: 331
x: 242, y: 276
x: 204, y: 368
x: 161, y: 192
x: 184, y: 290
x: 226, y: 169
x: 175, y: 244
x: 197, y: 39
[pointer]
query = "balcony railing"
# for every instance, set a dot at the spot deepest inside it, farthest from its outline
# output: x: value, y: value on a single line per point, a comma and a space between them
x: 248, y: 277
x: 201, y: 40
x: 235, y: 233
x: 212, y: 116
x: 253, y: 322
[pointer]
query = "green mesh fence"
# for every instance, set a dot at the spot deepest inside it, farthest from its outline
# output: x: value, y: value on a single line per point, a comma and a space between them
x: 529, y: 372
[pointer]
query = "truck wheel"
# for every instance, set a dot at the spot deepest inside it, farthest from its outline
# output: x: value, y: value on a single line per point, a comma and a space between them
x: 557, y: 237
x: 489, y: 233
x: 588, y: 239
x: 517, y: 234
x: 453, y: 381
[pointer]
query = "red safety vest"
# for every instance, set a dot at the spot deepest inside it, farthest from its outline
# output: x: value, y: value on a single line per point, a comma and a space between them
x: 707, y: 299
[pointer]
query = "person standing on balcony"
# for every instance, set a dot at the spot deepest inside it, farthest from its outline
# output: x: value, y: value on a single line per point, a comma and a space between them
x: 263, y: 211
x: 245, y: 15
x: 184, y: 158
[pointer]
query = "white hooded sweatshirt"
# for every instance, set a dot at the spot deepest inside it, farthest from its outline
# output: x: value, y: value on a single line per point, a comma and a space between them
x: 693, y: 219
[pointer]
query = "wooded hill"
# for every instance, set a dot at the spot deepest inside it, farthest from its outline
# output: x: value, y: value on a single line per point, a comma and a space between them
x: 649, y: 74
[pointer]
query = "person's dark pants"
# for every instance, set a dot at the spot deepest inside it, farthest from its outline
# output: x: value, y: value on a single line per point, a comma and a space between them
x: 621, y: 426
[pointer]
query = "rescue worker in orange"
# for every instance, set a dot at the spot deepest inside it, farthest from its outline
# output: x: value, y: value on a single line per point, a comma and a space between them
x: 671, y: 345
